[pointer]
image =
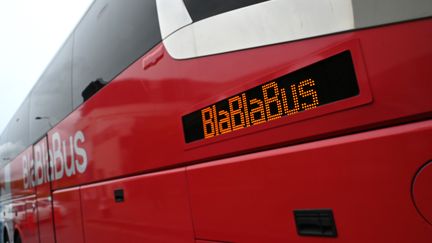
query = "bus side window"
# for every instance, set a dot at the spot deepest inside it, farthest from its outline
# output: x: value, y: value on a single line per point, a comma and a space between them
x: 111, y: 36
x: 15, y: 137
x: 51, y: 98
x: 199, y: 9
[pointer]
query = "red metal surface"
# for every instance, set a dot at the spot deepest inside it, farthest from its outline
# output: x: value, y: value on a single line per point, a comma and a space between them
x: 364, y: 178
x: 24, y: 213
x: 141, y: 110
x: 206, y: 241
x: 67, y: 216
x: 25, y: 218
x: 21, y: 173
x: 422, y: 192
x: 155, y: 209
x: 43, y: 194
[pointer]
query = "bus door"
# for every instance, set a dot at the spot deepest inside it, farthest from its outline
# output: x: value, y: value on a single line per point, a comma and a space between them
x: 43, y: 172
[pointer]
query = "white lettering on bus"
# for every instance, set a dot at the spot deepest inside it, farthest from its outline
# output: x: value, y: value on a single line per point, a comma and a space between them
x: 64, y: 158
x: 81, y: 165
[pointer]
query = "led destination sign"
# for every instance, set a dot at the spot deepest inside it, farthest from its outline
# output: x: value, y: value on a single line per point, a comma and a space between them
x: 321, y: 83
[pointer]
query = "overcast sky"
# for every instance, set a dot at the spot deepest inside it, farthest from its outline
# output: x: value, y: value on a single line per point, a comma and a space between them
x: 31, y: 32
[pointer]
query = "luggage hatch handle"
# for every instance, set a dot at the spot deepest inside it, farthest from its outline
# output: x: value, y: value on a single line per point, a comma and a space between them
x: 319, y: 222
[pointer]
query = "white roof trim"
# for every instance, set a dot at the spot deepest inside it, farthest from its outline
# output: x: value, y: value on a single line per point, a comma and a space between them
x: 260, y: 24
x: 172, y: 15
x: 276, y: 21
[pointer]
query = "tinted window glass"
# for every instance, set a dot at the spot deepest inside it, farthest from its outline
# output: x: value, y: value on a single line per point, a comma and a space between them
x: 111, y: 36
x: 51, y: 98
x: 15, y: 138
x: 372, y: 12
x: 201, y: 9
x: 4, y: 158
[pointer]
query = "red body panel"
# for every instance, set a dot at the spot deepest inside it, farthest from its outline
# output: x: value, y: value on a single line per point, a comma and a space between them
x: 19, y: 179
x: 155, y: 209
x: 67, y: 216
x: 206, y: 241
x: 25, y: 218
x: 24, y: 209
x: 134, y: 124
x: 422, y: 193
x: 365, y: 178
x: 43, y: 195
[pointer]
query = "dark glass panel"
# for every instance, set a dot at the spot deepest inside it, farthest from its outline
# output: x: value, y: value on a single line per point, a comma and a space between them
x: 201, y: 9
x: 15, y: 138
x: 51, y: 98
x: 111, y: 36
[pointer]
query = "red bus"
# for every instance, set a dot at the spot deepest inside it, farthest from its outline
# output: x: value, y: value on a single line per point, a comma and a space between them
x: 228, y: 121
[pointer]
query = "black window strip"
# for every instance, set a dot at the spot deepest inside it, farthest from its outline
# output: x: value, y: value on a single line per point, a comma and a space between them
x: 201, y: 9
